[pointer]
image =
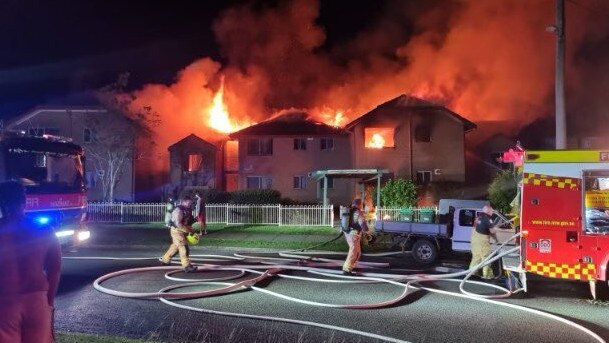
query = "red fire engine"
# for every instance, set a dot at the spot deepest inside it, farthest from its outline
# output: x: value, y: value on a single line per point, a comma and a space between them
x: 51, y: 169
x: 564, y: 215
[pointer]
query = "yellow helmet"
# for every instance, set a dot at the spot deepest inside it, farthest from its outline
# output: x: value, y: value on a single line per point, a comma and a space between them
x: 193, y: 238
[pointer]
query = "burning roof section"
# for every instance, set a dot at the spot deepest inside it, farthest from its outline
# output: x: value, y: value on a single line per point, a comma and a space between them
x: 415, y: 104
x: 289, y: 124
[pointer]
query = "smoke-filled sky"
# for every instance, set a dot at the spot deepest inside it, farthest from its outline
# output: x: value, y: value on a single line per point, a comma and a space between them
x: 487, y: 60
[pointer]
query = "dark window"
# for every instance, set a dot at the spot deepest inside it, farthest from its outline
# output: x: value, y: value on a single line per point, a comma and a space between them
x: 300, y: 182
x: 87, y: 136
x: 422, y: 133
x: 467, y: 217
x: 423, y: 177
x: 259, y: 182
x: 253, y: 147
x: 327, y: 144
x: 52, y: 131
x: 253, y: 182
x: 300, y: 144
x: 330, y: 184
x: 260, y: 146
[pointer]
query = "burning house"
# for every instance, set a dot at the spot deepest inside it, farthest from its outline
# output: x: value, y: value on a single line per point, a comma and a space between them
x: 411, y: 138
x: 281, y: 152
x: 192, y: 163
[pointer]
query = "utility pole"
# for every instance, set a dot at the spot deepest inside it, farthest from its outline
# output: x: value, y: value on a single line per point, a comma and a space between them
x: 559, y: 85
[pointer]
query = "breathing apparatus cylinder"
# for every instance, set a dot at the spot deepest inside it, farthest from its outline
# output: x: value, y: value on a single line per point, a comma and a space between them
x: 344, y: 219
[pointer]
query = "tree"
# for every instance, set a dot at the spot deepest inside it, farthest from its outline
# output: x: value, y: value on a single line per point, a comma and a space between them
x: 399, y: 193
x: 502, y: 190
x: 113, y: 136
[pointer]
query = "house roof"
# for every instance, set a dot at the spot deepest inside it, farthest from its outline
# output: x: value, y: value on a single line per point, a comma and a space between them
x: 412, y: 103
x: 53, y: 109
x: 192, y: 140
x: 289, y: 124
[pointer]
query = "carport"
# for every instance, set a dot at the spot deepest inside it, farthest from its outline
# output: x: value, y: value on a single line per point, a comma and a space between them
x: 366, y: 175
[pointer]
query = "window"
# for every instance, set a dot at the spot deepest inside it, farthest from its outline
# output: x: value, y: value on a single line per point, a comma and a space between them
x: 423, y: 177
x: 87, y: 135
x: 300, y: 182
x: 327, y: 144
x: 231, y: 156
x: 300, y: 144
x: 467, y: 217
x: 194, y: 162
x: 259, y: 182
x: 260, y: 146
x: 52, y: 131
x: 379, y: 137
x: 422, y: 133
x: 330, y: 184
x: 596, y: 183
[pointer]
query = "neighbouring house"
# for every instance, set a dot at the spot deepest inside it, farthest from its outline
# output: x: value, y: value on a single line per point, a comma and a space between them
x: 193, y: 162
x: 99, y: 131
x: 280, y: 153
x: 412, y: 138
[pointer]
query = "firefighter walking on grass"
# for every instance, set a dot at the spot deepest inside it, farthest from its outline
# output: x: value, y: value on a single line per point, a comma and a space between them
x: 483, y: 230
x: 180, y: 226
x: 353, y: 228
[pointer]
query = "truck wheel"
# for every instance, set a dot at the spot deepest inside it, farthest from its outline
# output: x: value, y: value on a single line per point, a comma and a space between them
x: 601, y: 290
x: 424, y: 251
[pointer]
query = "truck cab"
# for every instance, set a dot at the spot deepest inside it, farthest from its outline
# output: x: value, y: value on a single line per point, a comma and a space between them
x: 51, y: 170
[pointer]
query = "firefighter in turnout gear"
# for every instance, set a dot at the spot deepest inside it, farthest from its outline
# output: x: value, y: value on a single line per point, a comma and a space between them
x: 353, y: 228
x: 481, y: 240
x: 180, y: 226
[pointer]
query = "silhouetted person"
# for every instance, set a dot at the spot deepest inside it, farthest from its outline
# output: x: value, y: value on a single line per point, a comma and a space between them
x: 30, y: 258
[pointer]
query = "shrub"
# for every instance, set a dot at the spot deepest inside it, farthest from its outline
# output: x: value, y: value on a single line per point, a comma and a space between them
x: 399, y: 193
x: 502, y: 191
x: 255, y: 196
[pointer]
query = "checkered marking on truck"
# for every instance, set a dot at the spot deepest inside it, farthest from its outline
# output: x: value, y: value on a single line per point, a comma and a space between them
x: 580, y: 271
x: 550, y: 181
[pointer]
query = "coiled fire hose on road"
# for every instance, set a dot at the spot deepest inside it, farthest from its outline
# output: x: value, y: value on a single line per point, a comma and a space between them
x: 269, y: 267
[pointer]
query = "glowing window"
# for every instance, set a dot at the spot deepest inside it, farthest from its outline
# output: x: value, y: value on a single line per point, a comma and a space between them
x: 379, y: 137
x: 194, y: 162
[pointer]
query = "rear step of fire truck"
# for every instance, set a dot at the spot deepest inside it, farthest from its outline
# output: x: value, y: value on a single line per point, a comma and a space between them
x: 517, y: 276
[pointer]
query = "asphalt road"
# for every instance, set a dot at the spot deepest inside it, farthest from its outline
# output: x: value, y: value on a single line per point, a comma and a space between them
x: 426, y: 317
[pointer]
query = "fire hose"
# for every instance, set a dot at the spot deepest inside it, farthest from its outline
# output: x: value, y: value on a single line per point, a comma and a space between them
x: 269, y: 267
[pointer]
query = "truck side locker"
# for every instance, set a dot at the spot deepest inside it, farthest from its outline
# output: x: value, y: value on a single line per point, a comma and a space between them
x: 450, y: 221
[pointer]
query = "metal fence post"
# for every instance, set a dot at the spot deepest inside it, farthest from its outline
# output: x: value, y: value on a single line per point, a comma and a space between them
x: 226, y: 214
x: 279, y: 215
x: 331, y: 215
x: 122, y: 213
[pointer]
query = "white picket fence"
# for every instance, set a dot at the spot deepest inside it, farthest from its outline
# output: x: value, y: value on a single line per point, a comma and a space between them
x: 229, y: 214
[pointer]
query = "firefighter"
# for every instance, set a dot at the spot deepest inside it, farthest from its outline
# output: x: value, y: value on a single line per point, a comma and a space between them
x: 353, y: 229
x: 180, y: 226
x: 481, y: 240
x: 30, y: 257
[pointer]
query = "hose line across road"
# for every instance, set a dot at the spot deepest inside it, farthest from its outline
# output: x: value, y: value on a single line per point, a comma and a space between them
x: 219, y: 275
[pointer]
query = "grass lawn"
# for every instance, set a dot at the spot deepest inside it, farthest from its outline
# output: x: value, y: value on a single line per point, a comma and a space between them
x: 63, y: 337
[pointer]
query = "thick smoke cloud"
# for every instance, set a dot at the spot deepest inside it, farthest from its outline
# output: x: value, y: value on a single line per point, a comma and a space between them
x: 487, y: 60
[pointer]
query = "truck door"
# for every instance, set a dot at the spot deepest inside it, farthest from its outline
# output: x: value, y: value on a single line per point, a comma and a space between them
x: 463, y: 222
x: 551, y: 216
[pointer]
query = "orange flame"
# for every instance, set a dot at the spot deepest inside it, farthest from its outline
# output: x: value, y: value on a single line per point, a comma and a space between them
x: 376, y: 141
x: 219, y: 118
x: 333, y: 117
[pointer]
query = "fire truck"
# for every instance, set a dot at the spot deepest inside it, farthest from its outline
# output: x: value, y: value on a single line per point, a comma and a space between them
x: 51, y: 169
x: 564, y: 216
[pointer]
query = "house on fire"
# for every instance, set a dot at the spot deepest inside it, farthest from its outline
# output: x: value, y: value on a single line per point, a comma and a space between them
x: 404, y: 137
x: 281, y: 152
x: 412, y: 138
x: 193, y: 162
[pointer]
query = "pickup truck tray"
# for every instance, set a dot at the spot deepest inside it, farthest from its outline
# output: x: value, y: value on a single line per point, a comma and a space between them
x: 428, y: 229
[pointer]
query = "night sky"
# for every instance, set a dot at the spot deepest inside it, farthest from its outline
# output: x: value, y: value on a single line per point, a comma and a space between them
x: 54, y: 51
